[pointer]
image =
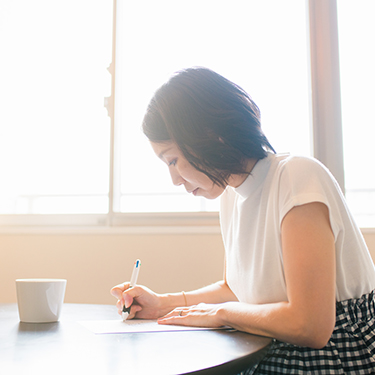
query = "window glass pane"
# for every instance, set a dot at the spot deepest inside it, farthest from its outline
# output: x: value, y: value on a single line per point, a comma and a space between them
x: 260, y: 45
x: 54, y: 129
x: 357, y: 62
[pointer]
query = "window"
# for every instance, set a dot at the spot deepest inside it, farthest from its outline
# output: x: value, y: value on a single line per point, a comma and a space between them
x: 61, y: 153
x: 357, y: 62
x: 260, y: 45
x: 54, y: 130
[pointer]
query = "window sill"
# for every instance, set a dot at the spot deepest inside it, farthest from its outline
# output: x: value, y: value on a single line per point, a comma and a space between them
x: 368, y: 230
x: 150, y: 223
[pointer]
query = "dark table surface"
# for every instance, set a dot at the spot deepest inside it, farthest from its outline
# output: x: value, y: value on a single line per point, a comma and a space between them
x: 67, y: 347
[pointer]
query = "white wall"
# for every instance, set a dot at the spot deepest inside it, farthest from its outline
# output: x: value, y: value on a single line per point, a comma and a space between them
x: 94, y: 262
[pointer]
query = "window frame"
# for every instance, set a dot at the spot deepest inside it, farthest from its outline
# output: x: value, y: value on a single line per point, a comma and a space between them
x: 325, y: 124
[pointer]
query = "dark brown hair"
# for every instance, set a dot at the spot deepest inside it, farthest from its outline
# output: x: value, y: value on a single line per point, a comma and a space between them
x: 213, y: 121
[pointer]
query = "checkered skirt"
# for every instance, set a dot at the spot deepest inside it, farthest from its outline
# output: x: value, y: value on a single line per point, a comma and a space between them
x: 351, y: 349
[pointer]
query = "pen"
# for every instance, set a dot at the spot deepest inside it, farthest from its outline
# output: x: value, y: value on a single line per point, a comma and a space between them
x: 133, y: 281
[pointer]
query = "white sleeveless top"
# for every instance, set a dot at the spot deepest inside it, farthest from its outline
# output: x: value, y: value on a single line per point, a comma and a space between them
x: 251, y: 217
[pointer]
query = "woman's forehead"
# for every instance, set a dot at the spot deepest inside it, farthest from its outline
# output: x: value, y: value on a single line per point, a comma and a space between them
x: 161, y: 148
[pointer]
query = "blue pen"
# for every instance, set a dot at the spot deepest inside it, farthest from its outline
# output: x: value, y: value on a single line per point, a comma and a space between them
x: 133, y: 281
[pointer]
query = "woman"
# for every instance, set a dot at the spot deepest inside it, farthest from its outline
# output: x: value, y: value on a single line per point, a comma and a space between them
x: 297, y: 267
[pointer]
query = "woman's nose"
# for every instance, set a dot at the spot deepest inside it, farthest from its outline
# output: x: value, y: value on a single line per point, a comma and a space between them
x: 177, y: 180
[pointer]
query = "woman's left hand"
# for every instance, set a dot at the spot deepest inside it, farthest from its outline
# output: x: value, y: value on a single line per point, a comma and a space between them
x: 202, y: 315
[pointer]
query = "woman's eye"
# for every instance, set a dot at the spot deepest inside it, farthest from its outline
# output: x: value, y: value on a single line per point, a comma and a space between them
x: 173, y: 162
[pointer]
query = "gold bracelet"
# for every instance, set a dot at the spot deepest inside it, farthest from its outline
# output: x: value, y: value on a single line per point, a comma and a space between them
x: 183, y: 293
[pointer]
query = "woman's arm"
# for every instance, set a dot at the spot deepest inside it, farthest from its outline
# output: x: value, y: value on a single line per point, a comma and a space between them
x: 215, y: 293
x: 149, y: 305
x: 308, y: 317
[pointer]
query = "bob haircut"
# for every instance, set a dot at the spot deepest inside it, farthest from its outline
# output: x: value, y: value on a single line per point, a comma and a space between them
x: 214, y: 123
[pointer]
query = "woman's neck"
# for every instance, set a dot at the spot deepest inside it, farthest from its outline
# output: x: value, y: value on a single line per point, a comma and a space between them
x: 237, y: 179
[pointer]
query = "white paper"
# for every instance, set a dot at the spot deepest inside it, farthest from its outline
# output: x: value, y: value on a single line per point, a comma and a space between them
x: 134, y: 326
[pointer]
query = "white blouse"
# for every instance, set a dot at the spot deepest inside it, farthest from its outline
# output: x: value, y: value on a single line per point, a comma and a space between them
x: 251, y: 217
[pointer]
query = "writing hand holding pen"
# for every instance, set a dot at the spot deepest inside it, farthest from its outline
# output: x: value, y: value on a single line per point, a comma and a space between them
x: 133, y: 282
x: 141, y: 302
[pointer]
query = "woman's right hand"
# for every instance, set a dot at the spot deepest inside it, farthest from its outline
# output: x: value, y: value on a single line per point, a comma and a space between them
x: 145, y: 304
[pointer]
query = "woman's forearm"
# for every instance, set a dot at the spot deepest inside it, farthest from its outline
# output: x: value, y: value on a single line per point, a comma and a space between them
x: 218, y: 292
x: 281, y: 321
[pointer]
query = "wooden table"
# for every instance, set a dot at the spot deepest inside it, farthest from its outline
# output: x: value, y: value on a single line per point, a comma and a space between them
x: 67, y: 347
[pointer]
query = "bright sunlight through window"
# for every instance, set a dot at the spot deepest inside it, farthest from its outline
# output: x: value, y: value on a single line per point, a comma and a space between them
x: 54, y: 130
x: 357, y: 62
x: 260, y: 45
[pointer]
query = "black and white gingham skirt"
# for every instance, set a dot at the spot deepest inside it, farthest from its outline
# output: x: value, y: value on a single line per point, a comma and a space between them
x: 351, y: 349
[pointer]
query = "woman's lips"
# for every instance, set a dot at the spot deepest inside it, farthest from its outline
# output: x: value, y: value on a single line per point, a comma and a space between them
x: 194, y: 192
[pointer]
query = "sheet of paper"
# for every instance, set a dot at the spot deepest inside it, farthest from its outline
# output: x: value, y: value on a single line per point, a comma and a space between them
x: 134, y: 326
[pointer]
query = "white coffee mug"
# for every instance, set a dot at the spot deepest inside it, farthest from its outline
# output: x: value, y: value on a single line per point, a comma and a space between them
x: 40, y: 300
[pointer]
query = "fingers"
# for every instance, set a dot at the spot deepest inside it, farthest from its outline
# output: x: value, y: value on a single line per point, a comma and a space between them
x: 133, y: 311
x: 147, y: 301
x: 126, y: 297
x: 201, y: 315
x: 187, y: 310
x: 180, y: 311
x: 176, y: 316
x: 117, y: 290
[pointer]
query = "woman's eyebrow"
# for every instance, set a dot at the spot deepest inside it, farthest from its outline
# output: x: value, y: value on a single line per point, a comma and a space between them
x: 163, y: 152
